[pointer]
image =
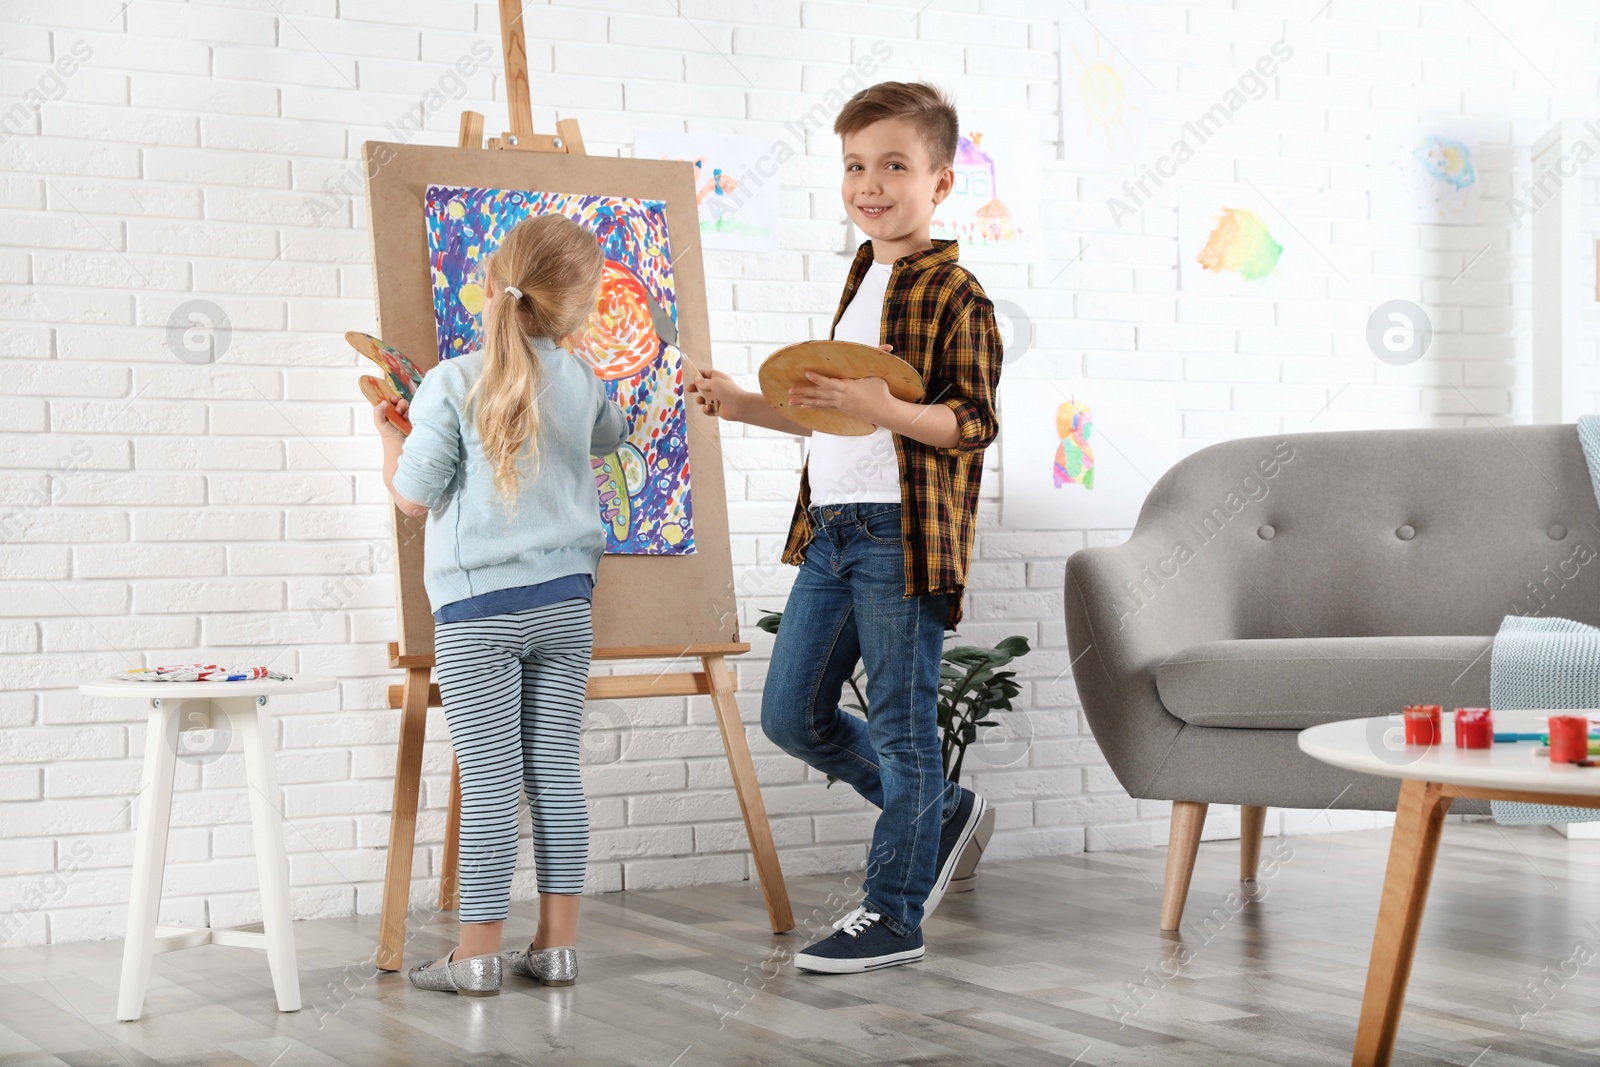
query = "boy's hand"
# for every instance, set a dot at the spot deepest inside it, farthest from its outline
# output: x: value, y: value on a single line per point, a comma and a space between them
x: 864, y: 398
x: 380, y: 418
x: 716, y: 392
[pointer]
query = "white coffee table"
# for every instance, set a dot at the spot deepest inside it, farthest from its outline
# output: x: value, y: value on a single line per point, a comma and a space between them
x: 1432, y: 777
x: 174, y: 708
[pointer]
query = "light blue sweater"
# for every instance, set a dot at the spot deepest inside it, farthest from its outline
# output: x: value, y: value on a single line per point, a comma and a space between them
x: 471, y: 548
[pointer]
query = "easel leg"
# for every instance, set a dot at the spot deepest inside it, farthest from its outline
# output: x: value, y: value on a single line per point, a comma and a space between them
x: 450, y: 874
x: 1418, y: 820
x: 749, y: 792
x: 403, y: 820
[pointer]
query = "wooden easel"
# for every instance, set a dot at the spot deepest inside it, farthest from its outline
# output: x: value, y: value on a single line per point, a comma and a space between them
x: 417, y: 693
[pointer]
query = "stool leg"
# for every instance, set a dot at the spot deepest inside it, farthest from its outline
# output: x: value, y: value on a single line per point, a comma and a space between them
x: 272, y: 866
x: 149, y: 858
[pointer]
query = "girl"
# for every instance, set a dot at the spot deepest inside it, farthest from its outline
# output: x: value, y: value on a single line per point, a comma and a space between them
x: 501, y: 435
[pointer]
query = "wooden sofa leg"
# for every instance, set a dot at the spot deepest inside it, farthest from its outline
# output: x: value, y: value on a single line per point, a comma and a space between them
x: 1188, y: 819
x: 1252, y: 824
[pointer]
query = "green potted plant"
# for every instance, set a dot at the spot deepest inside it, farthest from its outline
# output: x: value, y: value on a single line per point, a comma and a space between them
x: 972, y: 691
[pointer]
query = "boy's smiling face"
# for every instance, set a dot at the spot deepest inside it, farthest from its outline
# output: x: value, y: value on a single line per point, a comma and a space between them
x: 891, y: 186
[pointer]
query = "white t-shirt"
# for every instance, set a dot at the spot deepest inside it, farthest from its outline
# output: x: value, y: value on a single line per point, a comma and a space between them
x: 864, y: 469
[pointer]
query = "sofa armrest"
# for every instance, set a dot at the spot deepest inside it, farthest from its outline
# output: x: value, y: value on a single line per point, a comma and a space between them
x: 1129, y: 607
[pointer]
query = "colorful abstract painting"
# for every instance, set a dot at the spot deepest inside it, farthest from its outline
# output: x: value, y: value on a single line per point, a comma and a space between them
x: 1241, y: 244
x: 643, y: 487
x: 1074, y: 456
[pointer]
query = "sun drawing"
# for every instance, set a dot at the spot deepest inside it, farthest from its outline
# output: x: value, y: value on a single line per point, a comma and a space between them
x: 1103, y: 94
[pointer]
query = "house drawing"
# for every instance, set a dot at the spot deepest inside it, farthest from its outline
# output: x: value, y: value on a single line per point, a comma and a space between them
x: 974, y: 211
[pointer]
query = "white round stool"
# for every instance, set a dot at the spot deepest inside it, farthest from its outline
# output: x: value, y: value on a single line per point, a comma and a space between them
x: 174, y: 708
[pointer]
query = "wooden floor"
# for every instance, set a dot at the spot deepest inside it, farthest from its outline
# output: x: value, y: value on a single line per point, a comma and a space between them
x: 1033, y: 968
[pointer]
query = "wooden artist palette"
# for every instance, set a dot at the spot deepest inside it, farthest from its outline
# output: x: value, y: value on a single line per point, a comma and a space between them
x: 377, y: 390
x: 836, y: 359
x: 402, y: 374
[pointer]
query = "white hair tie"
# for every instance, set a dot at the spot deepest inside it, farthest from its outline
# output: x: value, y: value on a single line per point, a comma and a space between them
x: 514, y: 291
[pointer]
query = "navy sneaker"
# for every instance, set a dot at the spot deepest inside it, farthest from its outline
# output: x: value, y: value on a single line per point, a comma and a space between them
x: 953, y: 837
x: 863, y: 943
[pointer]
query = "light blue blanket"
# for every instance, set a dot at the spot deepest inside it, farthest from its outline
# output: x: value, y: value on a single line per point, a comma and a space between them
x: 1548, y: 663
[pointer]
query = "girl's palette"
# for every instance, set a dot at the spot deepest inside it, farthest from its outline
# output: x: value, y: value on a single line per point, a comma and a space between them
x: 400, y: 376
x: 403, y: 375
x: 376, y: 390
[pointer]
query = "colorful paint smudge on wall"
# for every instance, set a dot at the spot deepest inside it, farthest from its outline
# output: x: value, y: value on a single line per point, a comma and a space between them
x: 1074, y: 456
x: 643, y: 487
x: 1240, y: 244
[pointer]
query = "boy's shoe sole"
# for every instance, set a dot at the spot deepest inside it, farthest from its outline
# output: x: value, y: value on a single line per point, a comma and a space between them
x: 824, y: 965
x: 942, y: 882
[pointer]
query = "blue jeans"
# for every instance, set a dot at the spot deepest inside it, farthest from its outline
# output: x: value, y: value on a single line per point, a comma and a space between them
x: 848, y: 604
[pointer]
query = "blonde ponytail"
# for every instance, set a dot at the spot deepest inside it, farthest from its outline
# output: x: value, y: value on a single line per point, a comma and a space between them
x: 556, y: 265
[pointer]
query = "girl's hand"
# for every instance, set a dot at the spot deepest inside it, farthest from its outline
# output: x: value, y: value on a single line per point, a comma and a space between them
x: 380, y: 418
x: 714, y: 390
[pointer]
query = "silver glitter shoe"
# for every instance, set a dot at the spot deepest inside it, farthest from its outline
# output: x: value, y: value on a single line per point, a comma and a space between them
x: 479, y: 976
x: 551, y: 966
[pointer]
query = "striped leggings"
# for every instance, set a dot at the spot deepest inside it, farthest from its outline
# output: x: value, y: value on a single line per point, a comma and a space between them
x: 513, y: 688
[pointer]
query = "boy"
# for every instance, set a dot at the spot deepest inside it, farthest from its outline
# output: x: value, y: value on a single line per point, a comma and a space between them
x: 883, y: 527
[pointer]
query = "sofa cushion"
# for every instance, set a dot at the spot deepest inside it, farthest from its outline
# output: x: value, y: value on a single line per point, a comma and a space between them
x: 1289, y: 684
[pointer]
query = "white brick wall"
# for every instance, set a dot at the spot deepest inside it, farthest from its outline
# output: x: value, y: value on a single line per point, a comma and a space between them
x: 211, y: 150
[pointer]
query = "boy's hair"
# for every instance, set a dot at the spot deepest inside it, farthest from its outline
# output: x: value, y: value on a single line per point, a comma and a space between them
x: 924, y: 105
x: 558, y: 266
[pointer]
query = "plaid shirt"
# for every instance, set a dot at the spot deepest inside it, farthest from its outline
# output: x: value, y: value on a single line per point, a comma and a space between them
x: 939, y: 320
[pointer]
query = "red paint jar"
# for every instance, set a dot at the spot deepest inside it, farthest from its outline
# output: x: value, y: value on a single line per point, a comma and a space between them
x: 1474, y: 728
x: 1569, y: 738
x: 1422, y: 724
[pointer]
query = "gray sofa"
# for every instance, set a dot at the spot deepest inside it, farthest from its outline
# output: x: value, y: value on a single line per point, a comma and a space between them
x: 1272, y: 583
